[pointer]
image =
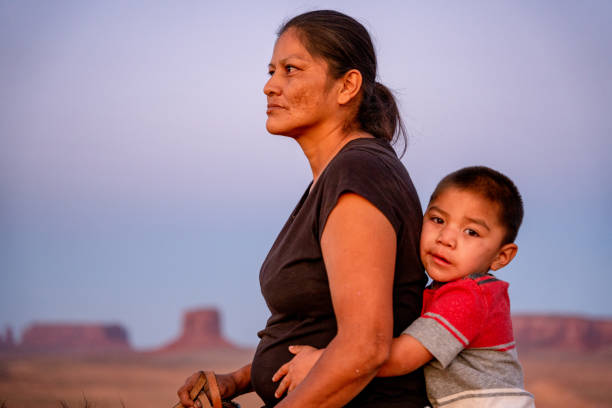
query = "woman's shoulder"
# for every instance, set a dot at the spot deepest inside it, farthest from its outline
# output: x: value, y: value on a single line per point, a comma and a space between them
x: 366, y: 155
x: 370, y: 168
x: 369, y: 146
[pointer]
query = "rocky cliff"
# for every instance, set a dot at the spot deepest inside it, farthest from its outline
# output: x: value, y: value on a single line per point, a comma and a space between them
x: 562, y: 332
x: 201, y: 329
x: 50, y: 337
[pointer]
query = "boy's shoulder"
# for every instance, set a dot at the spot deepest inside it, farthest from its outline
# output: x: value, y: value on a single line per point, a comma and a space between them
x: 482, y: 290
x: 470, y: 281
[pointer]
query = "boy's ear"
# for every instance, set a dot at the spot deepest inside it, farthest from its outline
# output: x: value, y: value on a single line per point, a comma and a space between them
x: 504, y: 256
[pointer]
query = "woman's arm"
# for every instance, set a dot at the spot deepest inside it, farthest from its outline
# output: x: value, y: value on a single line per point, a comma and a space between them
x: 358, y: 246
x: 230, y: 385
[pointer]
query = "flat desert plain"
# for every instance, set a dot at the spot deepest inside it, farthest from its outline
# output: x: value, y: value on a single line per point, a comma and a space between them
x: 557, y: 379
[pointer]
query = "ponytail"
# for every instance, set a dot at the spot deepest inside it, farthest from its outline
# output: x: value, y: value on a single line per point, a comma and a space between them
x: 379, y: 114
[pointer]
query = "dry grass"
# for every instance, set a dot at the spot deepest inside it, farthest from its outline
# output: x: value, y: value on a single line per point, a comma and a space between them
x: 139, y: 380
x: 85, y: 404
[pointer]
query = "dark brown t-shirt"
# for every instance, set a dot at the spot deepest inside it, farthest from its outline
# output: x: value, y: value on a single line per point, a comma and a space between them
x: 294, y: 281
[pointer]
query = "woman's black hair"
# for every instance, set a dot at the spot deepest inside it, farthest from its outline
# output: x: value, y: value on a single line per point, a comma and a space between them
x: 345, y: 44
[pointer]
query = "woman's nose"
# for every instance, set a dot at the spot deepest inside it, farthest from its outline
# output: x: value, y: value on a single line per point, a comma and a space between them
x: 271, y: 87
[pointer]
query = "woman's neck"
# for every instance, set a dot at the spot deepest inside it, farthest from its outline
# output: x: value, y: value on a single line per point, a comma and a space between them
x: 321, y: 149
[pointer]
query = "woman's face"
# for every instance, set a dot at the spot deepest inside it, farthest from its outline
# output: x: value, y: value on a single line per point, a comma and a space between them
x: 300, y: 91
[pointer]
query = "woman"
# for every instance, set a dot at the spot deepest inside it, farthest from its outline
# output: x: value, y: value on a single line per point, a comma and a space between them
x: 344, y: 272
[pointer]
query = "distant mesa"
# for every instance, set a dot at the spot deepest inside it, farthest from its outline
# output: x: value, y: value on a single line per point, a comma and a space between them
x: 561, y: 332
x: 201, y: 330
x: 7, y: 341
x: 49, y: 337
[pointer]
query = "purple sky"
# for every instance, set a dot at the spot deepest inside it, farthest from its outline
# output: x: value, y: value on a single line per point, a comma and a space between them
x: 137, y: 179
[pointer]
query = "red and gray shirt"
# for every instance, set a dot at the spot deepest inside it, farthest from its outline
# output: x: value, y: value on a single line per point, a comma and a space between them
x: 465, y: 324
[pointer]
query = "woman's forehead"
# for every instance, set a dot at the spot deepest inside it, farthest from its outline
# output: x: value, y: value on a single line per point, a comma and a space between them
x: 290, y: 43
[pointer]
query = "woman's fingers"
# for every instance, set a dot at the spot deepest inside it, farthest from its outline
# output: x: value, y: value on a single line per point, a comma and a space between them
x: 183, y: 392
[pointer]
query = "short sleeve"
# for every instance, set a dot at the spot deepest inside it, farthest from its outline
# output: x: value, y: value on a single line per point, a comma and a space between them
x: 363, y: 173
x: 451, y: 320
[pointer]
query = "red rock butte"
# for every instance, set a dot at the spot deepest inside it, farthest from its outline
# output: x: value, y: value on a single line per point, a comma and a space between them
x: 51, y: 337
x: 201, y: 330
x: 7, y: 341
x: 561, y: 332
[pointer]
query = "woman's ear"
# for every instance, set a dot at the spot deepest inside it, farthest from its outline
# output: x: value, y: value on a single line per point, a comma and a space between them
x: 350, y: 86
x: 504, y: 256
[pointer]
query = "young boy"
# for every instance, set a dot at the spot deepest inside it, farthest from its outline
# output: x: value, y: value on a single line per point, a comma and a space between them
x: 464, y: 332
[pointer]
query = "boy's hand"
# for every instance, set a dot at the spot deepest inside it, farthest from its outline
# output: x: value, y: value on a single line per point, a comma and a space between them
x: 296, y: 370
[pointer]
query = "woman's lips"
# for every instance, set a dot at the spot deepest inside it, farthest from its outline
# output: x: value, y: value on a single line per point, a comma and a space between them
x: 273, y: 107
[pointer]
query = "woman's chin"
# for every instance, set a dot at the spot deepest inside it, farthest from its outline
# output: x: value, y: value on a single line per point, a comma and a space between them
x: 277, y: 130
x: 273, y: 128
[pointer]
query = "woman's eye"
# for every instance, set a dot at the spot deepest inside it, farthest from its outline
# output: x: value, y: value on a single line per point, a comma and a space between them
x: 271, y: 72
x: 290, y: 68
x: 472, y: 233
x: 437, y: 220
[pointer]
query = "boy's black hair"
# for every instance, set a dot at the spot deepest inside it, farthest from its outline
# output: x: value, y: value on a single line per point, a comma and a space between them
x: 495, y: 187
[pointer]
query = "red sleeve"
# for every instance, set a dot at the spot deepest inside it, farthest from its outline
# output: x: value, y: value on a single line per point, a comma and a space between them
x: 460, y: 307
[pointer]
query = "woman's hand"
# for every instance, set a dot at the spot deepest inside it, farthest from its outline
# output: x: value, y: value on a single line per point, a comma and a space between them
x: 294, y: 371
x: 183, y: 392
x: 230, y: 385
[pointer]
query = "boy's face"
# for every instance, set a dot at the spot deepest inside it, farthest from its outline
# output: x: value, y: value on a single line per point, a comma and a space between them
x: 462, y: 235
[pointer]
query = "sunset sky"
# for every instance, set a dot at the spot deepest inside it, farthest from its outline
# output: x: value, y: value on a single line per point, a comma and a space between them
x: 137, y: 179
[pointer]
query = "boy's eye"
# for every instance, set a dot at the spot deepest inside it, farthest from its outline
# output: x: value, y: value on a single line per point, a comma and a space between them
x: 270, y: 72
x: 437, y: 220
x: 472, y: 233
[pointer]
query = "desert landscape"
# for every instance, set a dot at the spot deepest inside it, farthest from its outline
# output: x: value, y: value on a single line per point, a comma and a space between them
x: 567, y: 363
x: 108, y: 380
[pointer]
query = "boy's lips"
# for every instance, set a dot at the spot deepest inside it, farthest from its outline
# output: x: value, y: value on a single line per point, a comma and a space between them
x: 439, y: 259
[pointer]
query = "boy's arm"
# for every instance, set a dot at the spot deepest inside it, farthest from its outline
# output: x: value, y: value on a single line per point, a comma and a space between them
x: 407, y: 354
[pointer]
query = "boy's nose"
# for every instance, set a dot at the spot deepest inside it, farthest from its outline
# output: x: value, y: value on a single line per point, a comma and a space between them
x: 447, y: 237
